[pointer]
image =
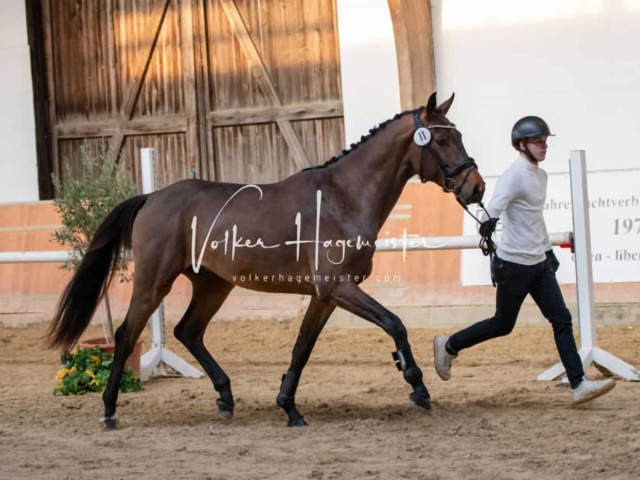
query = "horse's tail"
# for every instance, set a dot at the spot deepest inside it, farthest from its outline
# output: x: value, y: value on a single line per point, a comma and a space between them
x: 94, y: 274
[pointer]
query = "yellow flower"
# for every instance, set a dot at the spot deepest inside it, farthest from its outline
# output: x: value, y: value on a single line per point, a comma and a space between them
x: 73, y: 369
x: 61, y: 374
x: 94, y: 380
x: 95, y: 360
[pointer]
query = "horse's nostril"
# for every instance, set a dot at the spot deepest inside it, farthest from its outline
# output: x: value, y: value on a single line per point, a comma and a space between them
x: 478, y: 193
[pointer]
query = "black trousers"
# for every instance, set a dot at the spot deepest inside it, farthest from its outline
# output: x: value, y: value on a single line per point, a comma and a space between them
x: 514, y: 283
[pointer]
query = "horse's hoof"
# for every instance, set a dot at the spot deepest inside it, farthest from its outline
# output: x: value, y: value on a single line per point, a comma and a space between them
x: 298, y: 422
x: 423, y: 403
x: 226, y: 410
x: 109, y: 423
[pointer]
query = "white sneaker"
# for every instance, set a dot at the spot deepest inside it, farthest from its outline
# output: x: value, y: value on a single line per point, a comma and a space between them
x: 442, y: 359
x: 590, y: 389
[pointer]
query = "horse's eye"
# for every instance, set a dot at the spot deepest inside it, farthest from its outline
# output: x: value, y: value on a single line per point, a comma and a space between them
x: 442, y: 142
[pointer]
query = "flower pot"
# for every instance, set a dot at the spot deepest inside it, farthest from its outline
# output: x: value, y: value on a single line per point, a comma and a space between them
x: 134, y: 359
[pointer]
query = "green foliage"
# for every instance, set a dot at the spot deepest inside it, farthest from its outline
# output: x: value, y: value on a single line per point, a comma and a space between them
x: 84, y: 202
x: 88, y: 370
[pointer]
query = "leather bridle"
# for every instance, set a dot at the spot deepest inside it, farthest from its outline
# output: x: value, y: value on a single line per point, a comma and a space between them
x: 449, y: 183
x: 422, y: 137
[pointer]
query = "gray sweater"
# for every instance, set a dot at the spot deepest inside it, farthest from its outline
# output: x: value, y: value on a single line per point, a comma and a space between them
x: 518, y: 201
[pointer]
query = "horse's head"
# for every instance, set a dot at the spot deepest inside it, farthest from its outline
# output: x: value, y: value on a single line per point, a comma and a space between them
x: 438, y: 154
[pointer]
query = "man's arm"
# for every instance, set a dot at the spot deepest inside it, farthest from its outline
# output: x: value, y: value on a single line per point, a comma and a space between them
x: 503, y: 195
x: 546, y: 242
x: 548, y: 251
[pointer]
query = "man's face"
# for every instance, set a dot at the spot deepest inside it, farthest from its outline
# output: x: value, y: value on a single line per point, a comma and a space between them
x: 537, y: 147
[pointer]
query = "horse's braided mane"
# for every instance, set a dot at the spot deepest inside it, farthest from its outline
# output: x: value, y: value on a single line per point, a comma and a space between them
x: 363, y: 139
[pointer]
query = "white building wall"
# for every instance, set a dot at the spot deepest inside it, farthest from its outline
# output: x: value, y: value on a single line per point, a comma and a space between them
x: 18, y: 161
x: 572, y: 62
x: 369, y: 67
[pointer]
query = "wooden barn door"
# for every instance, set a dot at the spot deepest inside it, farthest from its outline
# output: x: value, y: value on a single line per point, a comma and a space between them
x: 245, y: 90
x: 273, y: 98
x: 122, y: 72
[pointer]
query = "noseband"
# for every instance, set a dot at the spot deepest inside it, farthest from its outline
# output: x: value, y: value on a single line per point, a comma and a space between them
x: 423, y: 137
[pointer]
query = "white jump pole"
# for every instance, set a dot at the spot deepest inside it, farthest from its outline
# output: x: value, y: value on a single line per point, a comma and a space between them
x: 465, y: 242
x: 153, y: 362
x: 383, y: 245
x: 589, y: 352
x: 37, y: 257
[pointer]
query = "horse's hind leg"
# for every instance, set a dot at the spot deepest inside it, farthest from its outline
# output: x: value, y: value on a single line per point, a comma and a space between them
x: 209, y: 293
x: 314, y: 321
x: 151, y: 283
x: 350, y: 297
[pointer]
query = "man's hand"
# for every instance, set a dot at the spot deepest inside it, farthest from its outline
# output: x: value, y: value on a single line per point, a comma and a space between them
x: 488, y: 227
x: 552, y: 260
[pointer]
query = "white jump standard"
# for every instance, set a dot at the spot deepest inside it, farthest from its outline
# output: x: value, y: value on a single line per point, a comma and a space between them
x: 589, y: 352
x: 153, y: 362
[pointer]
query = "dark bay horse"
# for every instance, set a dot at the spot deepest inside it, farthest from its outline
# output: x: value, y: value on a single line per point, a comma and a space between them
x: 312, y: 234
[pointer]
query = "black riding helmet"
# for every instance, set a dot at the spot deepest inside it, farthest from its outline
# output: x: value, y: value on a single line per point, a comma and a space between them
x: 529, y: 127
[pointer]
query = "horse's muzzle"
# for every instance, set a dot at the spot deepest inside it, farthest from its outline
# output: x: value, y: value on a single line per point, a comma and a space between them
x: 477, y: 194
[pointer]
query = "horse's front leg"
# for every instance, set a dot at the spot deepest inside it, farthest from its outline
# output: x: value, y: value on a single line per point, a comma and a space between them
x: 314, y: 321
x: 350, y: 297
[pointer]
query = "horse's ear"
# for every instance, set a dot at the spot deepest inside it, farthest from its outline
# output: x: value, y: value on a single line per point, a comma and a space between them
x: 431, y: 105
x: 444, y: 108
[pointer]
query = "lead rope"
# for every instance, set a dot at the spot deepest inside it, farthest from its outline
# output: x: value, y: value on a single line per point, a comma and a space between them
x: 486, y: 244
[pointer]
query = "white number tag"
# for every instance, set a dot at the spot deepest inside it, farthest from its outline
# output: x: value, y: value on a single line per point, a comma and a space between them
x: 422, y: 136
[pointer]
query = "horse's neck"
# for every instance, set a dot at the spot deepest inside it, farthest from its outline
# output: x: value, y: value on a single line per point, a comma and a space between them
x: 374, y: 174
